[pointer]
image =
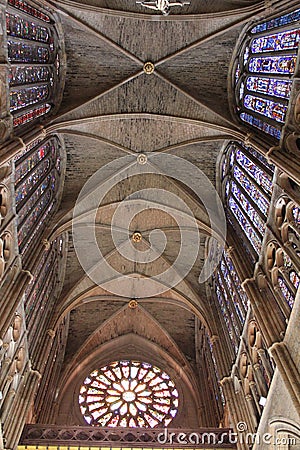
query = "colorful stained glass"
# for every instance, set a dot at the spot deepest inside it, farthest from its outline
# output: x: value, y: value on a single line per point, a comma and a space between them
x: 28, y: 9
x: 19, y: 75
x: 281, y: 53
x: 35, y: 186
x: 246, y: 226
x: 237, y: 282
x: 289, y: 297
x: 26, y: 29
x: 128, y: 394
x: 296, y: 215
x: 34, y: 198
x: 261, y: 125
x: 268, y: 108
x: 261, y: 178
x: 37, y: 228
x: 277, y: 22
x: 261, y: 201
x: 32, y: 114
x: 246, y: 55
x: 220, y: 297
x: 260, y: 158
x: 269, y: 86
x: 20, y: 98
x: 237, y: 73
x: 287, y: 40
x: 24, y: 168
x: 28, y: 185
x: 234, y: 297
x: 273, y: 64
x: 294, y: 278
x: 27, y: 52
x: 248, y: 208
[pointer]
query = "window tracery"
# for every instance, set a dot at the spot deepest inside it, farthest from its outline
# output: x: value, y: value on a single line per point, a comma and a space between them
x: 33, y: 55
x: 232, y: 299
x: 39, y: 293
x: 247, y: 181
x: 128, y: 394
x: 262, y: 81
x: 37, y: 173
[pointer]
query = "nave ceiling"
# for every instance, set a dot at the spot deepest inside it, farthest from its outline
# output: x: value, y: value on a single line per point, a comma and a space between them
x: 111, y: 109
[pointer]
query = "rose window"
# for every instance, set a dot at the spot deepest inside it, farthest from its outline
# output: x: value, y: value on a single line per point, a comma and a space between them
x: 128, y: 394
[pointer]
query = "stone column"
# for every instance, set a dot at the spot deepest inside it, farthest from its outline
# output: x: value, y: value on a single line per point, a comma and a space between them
x: 286, y: 162
x: 11, y: 300
x: 266, y: 311
x: 13, y: 428
x: 288, y: 371
x: 237, y: 408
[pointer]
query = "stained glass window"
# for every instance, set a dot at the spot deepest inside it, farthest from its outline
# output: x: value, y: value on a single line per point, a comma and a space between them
x: 286, y: 292
x: 296, y: 215
x: 39, y: 293
x: 36, y: 178
x: 128, y: 394
x: 248, y: 188
x: 286, y: 19
x: 33, y: 57
x: 262, y: 76
x: 232, y: 299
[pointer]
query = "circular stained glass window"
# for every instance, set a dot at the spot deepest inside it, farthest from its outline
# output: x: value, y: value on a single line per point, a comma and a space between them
x: 128, y: 394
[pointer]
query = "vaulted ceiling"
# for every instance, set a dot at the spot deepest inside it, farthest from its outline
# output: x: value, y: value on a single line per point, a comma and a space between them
x: 112, y: 109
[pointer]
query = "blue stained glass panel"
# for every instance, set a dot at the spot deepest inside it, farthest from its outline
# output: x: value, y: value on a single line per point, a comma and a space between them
x: 237, y: 282
x: 261, y: 158
x: 273, y: 64
x: 253, y: 237
x: 261, y: 201
x: 261, y: 178
x: 237, y: 73
x: 296, y: 215
x: 277, y: 42
x: 269, y: 86
x: 268, y: 108
x: 277, y: 22
x: 231, y: 288
x: 248, y: 208
x: 261, y: 125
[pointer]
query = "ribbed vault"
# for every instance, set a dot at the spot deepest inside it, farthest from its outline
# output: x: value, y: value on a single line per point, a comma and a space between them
x: 112, y: 109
